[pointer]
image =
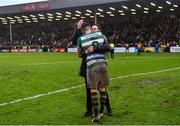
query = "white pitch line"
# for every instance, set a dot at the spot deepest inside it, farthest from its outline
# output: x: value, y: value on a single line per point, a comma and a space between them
x: 132, y: 75
x: 75, y: 87
x: 48, y: 63
x: 37, y: 64
x: 40, y: 95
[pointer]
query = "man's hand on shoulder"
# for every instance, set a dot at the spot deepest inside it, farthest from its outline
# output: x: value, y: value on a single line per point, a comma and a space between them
x: 90, y: 49
x: 79, y: 24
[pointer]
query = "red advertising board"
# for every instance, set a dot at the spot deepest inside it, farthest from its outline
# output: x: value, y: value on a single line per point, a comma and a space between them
x: 35, y: 7
x: 59, y: 50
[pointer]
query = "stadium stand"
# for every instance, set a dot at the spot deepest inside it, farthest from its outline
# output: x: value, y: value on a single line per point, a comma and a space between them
x: 155, y: 25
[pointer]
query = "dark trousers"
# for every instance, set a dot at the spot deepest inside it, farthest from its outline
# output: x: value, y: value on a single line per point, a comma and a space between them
x: 112, y: 53
x: 139, y: 51
x: 88, y: 99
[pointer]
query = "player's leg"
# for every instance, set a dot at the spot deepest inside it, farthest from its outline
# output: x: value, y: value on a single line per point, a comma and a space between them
x: 92, y: 80
x: 95, y: 104
x: 103, y: 98
x: 104, y: 82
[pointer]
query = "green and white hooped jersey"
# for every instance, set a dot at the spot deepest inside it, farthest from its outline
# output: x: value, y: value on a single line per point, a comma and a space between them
x: 85, y: 41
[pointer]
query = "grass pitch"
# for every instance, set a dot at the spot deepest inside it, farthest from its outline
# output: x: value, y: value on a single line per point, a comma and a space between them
x: 150, y: 98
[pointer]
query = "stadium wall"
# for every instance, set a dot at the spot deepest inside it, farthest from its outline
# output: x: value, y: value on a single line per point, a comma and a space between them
x: 172, y: 49
x: 50, y: 5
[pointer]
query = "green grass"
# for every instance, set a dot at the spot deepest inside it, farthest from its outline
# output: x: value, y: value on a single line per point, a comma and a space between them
x: 144, y: 99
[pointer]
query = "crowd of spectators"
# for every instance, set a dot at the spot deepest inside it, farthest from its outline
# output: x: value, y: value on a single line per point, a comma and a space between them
x: 150, y: 30
x: 51, y: 34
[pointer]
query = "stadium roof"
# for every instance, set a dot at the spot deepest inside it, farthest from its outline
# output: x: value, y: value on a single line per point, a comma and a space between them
x: 52, y: 4
x: 56, y: 10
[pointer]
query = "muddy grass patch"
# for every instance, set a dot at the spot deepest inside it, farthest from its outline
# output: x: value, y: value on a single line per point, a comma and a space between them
x: 150, y: 82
